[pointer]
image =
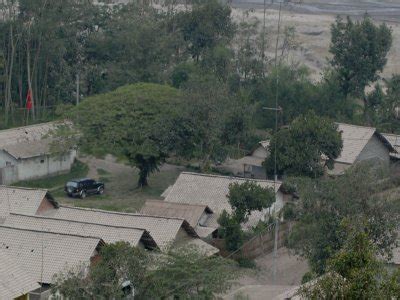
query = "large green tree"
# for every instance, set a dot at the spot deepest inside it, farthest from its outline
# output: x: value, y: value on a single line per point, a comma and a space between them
x: 127, y: 123
x: 304, y: 148
x: 355, y: 272
x: 182, y: 273
x: 359, y: 52
x: 329, y: 206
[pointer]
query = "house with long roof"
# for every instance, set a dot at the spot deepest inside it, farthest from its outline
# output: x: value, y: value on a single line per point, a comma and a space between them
x: 43, y: 254
x: 26, y: 153
x: 361, y: 143
x: 196, y: 214
x: 109, y: 234
x: 15, y: 282
x: 212, y: 191
x: 166, y: 231
x: 24, y: 201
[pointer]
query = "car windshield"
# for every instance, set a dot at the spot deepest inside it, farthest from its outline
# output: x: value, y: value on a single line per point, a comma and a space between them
x: 72, y: 184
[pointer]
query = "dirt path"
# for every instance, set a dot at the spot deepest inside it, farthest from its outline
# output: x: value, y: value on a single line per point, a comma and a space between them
x: 260, y: 283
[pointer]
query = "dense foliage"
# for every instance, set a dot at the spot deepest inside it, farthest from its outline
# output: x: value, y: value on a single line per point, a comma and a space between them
x: 306, y: 147
x: 354, y: 272
x: 244, y: 199
x: 329, y: 206
x: 127, y: 123
x: 182, y: 272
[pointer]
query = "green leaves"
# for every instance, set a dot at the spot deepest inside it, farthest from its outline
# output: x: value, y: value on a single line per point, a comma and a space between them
x: 301, y: 148
x: 359, y: 51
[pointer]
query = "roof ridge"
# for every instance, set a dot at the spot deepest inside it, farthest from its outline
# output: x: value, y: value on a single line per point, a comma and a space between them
x: 230, y: 177
x: 31, y: 126
x: 74, y: 221
x: 176, y: 203
x: 119, y: 213
x: 51, y: 232
x: 358, y: 126
x: 22, y: 188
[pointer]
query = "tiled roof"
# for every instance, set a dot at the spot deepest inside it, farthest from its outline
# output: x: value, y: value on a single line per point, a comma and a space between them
x: 110, y: 234
x: 190, y: 212
x: 163, y: 230
x: 25, y: 134
x: 44, y: 254
x: 15, y: 281
x: 20, y: 200
x: 355, y: 138
x: 210, y: 190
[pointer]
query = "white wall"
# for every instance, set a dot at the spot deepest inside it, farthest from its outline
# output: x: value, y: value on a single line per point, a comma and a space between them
x: 42, y: 166
x: 5, y: 157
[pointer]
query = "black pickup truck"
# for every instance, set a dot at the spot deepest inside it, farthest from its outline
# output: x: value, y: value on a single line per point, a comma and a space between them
x: 83, y: 187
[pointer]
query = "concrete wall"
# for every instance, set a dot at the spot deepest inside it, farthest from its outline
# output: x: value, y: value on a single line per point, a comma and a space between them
x: 374, y: 150
x: 338, y: 169
x: 32, y: 168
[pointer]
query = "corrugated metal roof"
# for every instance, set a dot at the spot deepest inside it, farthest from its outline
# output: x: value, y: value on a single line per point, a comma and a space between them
x: 163, y: 229
x: 15, y: 281
x: 20, y: 200
x: 44, y: 254
x: 355, y: 138
x: 190, y: 212
x: 110, y: 234
x: 211, y: 190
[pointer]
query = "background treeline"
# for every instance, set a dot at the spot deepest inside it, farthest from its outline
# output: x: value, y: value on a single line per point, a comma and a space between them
x: 48, y: 45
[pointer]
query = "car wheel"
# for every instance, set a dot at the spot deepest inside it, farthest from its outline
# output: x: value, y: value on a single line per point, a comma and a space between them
x: 83, y: 194
x: 100, y: 191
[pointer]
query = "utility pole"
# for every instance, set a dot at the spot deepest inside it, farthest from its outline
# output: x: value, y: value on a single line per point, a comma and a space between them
x: 77, y: 89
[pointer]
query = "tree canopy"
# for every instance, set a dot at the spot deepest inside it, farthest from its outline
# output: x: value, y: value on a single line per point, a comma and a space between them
x: 126, y: 123
x: 302, y: 147
x: 182, y: 272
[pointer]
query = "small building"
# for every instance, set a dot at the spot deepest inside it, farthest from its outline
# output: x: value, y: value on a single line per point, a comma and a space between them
x: 44, y: 254
x: 24, y: 201
x: 394, y: 141
x: 212, y: 190
x: 109, y: 234
x: 25, y: 153
x: 250, y: 166
x: 197, y: 215
x: 166, y: 231
x: 361, y: 144
x: 15, y: 282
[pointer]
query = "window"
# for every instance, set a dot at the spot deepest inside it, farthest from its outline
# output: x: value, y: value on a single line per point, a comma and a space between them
x: 8, y: 163
x: 42, y: 161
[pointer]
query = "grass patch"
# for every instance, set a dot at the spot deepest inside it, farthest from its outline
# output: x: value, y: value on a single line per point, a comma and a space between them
x: 54, y: 183
x: 102, y: 172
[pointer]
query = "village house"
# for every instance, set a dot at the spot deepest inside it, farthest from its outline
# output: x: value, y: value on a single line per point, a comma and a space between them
x: 196, y: 214
x: 15, y: 282
x: 44, y: 254
x: 25, y: 153
x: 24, y: 201
x: 394, y: 141
x: 109, y: 234
x: 361, y: 144
x: 166, y: 231
x: 250, y: 166
x: 212, y: 190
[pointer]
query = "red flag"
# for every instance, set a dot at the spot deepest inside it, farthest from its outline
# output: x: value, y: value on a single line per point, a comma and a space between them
x: 29, y: 100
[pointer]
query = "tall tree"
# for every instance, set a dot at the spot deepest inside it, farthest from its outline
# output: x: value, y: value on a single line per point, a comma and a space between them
x: 359, y: 52
x: 306, y: 147
x: 329, y: 207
